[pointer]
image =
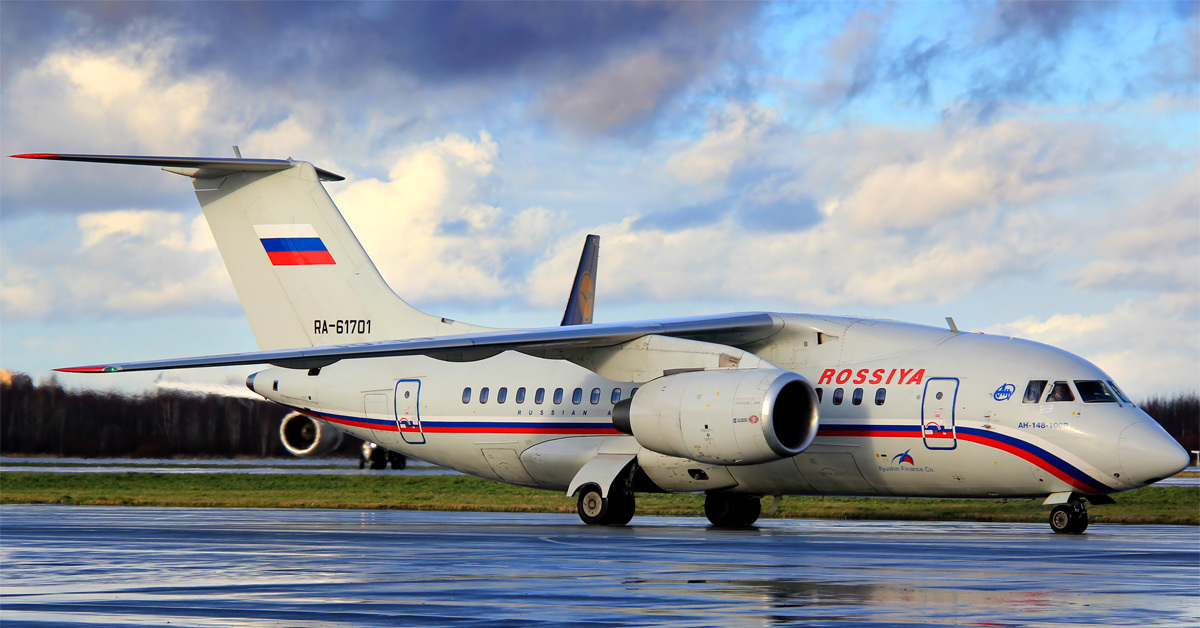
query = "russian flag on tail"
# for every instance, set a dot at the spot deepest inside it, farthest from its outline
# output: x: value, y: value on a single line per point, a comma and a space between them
x: 293, y: 245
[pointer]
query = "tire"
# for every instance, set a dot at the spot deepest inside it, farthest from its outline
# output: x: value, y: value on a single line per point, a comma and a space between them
x: 362, y: 464
x: 592, y: 506
x: 399, y: 462
x: 620, y: 509
x: 730, y: 510
x: 1069, y: 519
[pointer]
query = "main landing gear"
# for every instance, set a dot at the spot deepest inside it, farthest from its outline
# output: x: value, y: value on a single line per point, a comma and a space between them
x: 1069, y: 518
x: 732, y: 510
x: 614, y: 510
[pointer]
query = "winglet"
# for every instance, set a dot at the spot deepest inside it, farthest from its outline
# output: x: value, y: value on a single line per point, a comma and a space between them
x: 583, y: 291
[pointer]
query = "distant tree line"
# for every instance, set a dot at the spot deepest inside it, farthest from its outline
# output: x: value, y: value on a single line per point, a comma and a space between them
x: 47, y: 419
x: 50, y: 420
x: 1179, y: 415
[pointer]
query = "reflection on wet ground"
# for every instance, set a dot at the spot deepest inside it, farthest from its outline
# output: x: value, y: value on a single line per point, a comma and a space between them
x: 210, y: 567
x: 251, y: 466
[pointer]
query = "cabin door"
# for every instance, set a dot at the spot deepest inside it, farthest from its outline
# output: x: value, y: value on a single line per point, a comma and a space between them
x: 408, y: 411
x: 937, y: 413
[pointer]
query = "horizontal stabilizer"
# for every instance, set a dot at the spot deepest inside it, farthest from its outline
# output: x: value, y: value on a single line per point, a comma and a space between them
x: 198, y: 167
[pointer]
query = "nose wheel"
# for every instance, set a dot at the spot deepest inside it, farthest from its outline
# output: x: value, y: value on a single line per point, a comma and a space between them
x: 1070, y: 518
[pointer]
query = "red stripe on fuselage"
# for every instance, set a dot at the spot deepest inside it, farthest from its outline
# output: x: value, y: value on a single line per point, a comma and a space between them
x: 1028, y: 457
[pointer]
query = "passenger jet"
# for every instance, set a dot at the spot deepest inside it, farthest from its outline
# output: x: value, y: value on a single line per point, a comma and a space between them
x: 737, y: 406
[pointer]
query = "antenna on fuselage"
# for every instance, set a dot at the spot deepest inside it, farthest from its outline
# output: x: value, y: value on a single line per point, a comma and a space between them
x: 237, y: 152
x: 953, y: 326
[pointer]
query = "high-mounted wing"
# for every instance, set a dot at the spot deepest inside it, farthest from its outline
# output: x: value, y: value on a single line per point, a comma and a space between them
x: 731, y: 329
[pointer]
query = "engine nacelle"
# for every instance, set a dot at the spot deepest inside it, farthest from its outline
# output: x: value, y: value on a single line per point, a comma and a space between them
x: 306, y: 437
x: 723, y: 417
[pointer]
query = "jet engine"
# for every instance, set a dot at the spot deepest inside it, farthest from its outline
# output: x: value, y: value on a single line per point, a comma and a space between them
x: 306, y: 437
x: 732, y: 417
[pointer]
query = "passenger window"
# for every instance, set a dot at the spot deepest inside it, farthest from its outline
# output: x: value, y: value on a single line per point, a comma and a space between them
x: 880, y: 396
x: 1119, y: 392
x: 539, y: 396
x: 483, y: 395
x: 837, y: 396
x: 1093, y: 392
x: 577, y: 396
x: 501, y: 395
x: 521, y: 395
x: 1060, y: 392
x: 820, y: 394
x: 616, y: 395
x: 1033, y: 390
x: 595, y: 396
x: 857, y: 398
x: 467, y: 395
x: 557, y: 395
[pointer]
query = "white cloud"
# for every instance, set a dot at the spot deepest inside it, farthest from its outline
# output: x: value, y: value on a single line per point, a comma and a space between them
x: 1149, y: 347
x: 627, y: 90
x: 122, y: 98
x: 1155, y: 244
x: 428, y: 231
x: 732, y: 138
x: 133, y: 262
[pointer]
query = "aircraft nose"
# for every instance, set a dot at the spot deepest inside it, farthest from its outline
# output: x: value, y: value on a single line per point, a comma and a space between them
x: 1148, y: 454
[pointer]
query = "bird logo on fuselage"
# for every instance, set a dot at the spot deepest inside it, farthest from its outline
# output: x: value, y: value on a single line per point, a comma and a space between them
x: 903, y: 458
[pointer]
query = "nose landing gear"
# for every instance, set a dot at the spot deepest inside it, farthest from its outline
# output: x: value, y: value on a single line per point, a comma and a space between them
x: 1069, y: 518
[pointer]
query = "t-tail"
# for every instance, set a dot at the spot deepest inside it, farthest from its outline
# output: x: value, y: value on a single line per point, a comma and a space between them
x: 301, y: 274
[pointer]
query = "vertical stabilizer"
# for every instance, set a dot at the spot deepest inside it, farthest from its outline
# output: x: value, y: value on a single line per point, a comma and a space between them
x: 302, y: 276
x: 583, y: 291
x: 300, y: 272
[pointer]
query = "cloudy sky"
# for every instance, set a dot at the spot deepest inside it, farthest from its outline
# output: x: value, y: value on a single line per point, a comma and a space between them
x: 1028, y: 168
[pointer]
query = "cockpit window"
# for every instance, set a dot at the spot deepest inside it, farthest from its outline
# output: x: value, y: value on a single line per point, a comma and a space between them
x: 1033, y: 392
x: 1060, y: 392
x: 1093, y: 392
x: 1120, y: 393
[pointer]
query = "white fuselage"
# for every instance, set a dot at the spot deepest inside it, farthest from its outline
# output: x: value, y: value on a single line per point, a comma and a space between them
x: 905, y: 410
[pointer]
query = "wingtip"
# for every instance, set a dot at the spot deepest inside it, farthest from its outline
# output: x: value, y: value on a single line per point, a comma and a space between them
x: 88, y: 369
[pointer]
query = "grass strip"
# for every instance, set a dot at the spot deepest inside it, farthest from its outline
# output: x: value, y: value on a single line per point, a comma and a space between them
x: 1161, y: 505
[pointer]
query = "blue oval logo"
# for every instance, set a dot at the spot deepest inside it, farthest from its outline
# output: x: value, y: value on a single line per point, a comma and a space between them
x: 1004, y: 392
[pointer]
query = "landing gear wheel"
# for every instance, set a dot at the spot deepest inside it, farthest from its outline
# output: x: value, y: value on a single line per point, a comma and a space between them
x: 730, y: 510
x: 595, y: 509
x: 620, y: 508
x: 398, y: 462
x: 1069, y: 518
x: 592, y: 505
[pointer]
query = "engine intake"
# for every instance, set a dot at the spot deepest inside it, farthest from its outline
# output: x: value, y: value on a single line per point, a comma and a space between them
x: 723, y: 417
x: 306, y: 437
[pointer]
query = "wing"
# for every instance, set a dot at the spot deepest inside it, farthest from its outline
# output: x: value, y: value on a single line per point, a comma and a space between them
x: 726, y: 329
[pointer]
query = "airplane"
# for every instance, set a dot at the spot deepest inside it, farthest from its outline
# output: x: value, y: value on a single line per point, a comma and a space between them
x: 306, y: 437
x: 737, y: 406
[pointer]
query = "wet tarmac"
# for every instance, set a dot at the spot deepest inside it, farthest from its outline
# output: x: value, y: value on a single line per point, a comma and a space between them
x: 260, y: 466
x: 64, y: 565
